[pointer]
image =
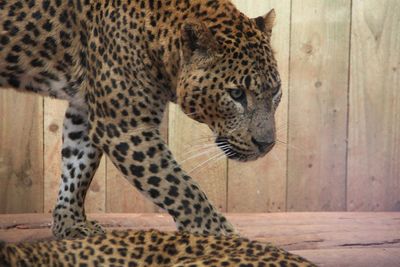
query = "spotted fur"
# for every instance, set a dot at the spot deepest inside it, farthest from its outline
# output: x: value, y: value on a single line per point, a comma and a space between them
x: 150, y: 248
x: 118, y: 63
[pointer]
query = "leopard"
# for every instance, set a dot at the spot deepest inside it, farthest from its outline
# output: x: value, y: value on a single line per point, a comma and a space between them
x: 118, y: 64
x: 150, y: 248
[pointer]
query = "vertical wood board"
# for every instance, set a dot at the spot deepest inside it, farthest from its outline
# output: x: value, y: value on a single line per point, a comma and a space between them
x: 21, y: 152
x: 318, y: 105
x: 374, y: 125
x: 336, y: 126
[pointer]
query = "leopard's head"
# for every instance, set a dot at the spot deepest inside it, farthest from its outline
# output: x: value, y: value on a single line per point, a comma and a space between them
x: 230, y: 81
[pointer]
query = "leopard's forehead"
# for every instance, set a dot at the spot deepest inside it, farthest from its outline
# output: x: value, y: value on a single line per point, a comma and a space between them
x: 253, y: 69
x: 240, y: 33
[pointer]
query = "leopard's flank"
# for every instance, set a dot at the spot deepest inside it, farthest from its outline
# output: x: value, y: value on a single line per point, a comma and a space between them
x: 150, y: 248
x: 118, y: 63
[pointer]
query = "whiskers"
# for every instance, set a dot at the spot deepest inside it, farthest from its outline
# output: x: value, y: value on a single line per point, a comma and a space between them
x: 226, y: 147
x: 214, y: 151
x: 282, y: 131
x: 190, y: 114
x: 215, y: 158
x: 206, y: 151
x: 200, y: 152
x: 286, y: 145
x: 281, y: 164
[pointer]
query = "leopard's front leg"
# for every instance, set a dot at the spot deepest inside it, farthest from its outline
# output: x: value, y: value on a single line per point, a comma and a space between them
x: 146, y: 162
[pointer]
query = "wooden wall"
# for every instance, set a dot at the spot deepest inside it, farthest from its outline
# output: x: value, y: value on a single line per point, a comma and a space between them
x: 338, y: 123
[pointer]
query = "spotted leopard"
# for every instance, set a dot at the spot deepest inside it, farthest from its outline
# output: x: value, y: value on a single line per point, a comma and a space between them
x: 118, y: 63
x: 150, y: 248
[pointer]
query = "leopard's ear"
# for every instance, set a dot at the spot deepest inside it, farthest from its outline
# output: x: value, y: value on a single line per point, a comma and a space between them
x: 198, y: 43
x: 266, y: 23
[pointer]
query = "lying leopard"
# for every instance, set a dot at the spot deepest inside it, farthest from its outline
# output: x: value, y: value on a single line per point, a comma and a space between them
x: 118, y: 63
x: 149, y: 248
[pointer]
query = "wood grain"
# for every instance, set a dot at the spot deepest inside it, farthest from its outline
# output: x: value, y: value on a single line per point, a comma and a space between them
x: 21, y: 152
x: 293, y: 231
x: 328, y: 239
x: 374, y: 125
x: 322, y: 230
x: 54, y: 111
x: 263, y: 183
x: 318, y: 105
x: 355, y: 257
x: 190, y: 142
x: 326, y: 111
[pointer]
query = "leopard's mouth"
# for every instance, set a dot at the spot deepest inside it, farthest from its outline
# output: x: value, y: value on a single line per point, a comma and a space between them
x: 235, y: 153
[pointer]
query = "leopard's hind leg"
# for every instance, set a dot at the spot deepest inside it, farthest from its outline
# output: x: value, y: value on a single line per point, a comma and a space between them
x: 80, y: 159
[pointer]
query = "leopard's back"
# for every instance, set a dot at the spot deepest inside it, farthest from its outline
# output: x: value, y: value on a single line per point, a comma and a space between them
x: 151, y: 248
x: 42, y: 47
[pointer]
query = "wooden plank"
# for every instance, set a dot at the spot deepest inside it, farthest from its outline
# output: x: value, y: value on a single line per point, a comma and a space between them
x: 318, y: 105
x: 21, y: 152
x: 54, y: 111
x: 53, y: 123
x: 315, y: 231
x: 374, y: 119
x: 293, y: 231
x: 263, y: 183
x: 191, y: 144
x: 30, y: 227
x: 121, y: 195
x: 356, y: 257
x: 328, y: 239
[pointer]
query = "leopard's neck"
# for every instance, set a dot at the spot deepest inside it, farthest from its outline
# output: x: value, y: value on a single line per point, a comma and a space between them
x: 165, y: 20
x: 156, y: 30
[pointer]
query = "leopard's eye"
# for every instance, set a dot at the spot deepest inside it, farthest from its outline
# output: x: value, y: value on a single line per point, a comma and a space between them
x: 237, y: 94
x: 276, y: 90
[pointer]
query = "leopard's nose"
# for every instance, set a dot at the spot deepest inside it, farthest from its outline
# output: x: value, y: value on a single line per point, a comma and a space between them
x: 262, y: 146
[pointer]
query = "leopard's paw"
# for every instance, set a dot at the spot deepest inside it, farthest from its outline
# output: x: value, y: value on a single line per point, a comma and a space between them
x: 80, y: 230
x: 96, y: 228
x: 216, y: 225
x: 226, y: 227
